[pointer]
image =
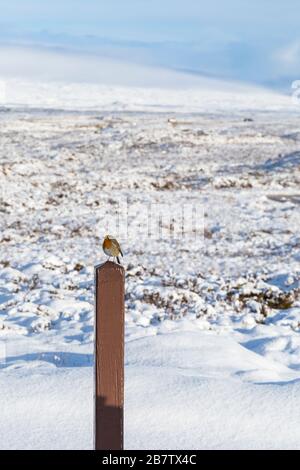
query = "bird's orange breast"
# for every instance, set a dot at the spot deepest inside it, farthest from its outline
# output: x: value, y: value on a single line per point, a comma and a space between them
x: 107, y: 244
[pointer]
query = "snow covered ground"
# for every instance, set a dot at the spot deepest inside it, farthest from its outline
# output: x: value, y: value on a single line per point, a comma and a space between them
x: 212, y: 316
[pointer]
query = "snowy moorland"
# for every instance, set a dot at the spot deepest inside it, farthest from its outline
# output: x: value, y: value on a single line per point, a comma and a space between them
x: 212, y: 315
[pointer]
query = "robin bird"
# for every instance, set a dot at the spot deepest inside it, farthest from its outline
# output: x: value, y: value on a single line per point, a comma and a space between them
x: 112, y: 248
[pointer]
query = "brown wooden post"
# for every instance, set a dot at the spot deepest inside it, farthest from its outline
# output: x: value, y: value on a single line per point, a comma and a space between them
x: 109, y: 352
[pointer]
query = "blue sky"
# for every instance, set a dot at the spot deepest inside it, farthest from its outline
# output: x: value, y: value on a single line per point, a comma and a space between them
x: 250, y: 40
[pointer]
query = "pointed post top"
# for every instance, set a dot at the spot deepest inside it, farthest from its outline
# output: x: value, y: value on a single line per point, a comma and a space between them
x: 109, y: 265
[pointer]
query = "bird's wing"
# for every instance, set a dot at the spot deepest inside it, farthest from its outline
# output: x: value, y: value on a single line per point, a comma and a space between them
x: 118, y: 246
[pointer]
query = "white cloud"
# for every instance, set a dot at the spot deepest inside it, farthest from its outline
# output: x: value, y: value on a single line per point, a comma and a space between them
x: 45, y: 64
x: 53, y: 65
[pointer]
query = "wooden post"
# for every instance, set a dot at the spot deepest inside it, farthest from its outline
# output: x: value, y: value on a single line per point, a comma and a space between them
x: 109, y: 352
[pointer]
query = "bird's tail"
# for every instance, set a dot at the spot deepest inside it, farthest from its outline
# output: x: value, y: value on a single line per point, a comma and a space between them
x: 118, y: 259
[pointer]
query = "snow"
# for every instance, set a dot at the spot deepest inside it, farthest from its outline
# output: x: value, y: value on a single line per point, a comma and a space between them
x: 183, y: 390
x: 43, y: 409
x: 205, y: 392
x: 192, y: 96
x: 41, y: 77
x: 212, y: 316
